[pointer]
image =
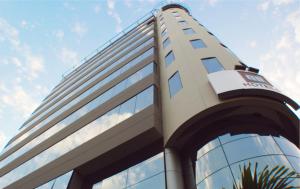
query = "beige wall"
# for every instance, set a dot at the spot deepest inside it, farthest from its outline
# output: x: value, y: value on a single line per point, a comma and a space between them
x: 196, y: 94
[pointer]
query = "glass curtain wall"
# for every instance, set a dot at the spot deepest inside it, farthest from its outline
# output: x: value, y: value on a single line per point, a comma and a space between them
x: 219, y: 161
x: 148, y: 174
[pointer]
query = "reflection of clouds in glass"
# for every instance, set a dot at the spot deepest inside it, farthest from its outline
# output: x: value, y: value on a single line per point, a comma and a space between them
x: 209, y: 163
x: 48, y: 185
x: 242, y: 149
x: 47, y: 120
x: 81, y: 112
x: 207, y: 147
x: 145, y: 169
x: 287, y: 147
x: 147, y: 174
x: 219, y: 180
x: 116, y: 181
x: 97, y: 185
x: 74, y: 140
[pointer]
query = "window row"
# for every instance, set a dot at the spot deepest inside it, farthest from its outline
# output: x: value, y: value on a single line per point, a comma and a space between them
x: 77, y: 90
x: 108, y: 53
x: 79, y: 113
x: 147, y: 174
x: 89, y: 72
x: 83, y: 135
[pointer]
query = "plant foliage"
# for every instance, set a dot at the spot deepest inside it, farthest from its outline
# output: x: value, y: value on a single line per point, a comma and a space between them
x: 277, y: 178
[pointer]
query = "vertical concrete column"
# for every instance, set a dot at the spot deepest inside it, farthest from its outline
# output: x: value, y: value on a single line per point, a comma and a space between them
x: 174, y: 177
x: 188, y: 173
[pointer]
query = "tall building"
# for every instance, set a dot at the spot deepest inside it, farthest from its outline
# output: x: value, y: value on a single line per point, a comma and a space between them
x: 164, y: 106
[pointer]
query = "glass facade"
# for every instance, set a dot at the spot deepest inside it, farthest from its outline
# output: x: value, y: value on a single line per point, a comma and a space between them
x: 104, y: 61
x: 81, y: 112
x: 219, y: 161
x: 148, y: 174
x: 70, y: 94
x: 212, y: 65
x: 86, y: 133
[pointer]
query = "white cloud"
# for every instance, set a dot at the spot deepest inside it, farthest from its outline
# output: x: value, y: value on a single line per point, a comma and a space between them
x: 280, y: 66
x: 24, y: 23
x: 114, y: 14
x: 31, y: 64
x: 19, y: 100
x: 79, y: 29
x: 9, y: 33
x: 59, y: 34
x: 35, y: 66
x: 266, y: 4
x: 97, y: 9
x: 253, y: 44
x: 2, y: 140
x: 69, y: 56
x: 294, y: 20
x: 212, y: 2
x: 69, y: 6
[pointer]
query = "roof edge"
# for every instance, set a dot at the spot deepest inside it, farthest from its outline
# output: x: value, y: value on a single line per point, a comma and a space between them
x: 175, y: 5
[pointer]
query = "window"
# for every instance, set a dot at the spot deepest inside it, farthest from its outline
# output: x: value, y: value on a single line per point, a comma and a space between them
x: 210, y: 33
x: 183, y: 23
x: 212, y: 65
x: 175, y: 13
x: 178, y: 17
x: 163, y: 26
x: 169, y: 58
x: 198, y: 43
x: 175, y: 84
x: 166, y: 43
x: 164, y: 33
x: 188, y: 31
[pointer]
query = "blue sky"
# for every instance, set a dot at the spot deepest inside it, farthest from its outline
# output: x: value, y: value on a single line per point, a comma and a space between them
x: 41, y: 40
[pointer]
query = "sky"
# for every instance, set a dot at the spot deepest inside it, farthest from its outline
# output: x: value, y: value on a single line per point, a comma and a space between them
x: 42, y: 40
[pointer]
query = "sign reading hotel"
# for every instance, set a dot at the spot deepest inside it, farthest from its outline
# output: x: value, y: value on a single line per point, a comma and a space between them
x: 234, y: 83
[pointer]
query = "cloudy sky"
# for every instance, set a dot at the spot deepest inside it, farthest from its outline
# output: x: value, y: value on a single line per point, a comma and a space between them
x: 39, y: 41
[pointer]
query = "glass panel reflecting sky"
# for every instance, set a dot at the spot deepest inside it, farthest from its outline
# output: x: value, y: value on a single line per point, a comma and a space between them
x: 148, y: 174
x: 209, y: 163
x: 175, y: 84
x: 287, y: 147
x: 188, y: 31
x: 198, y: 43
x: 240, y: 150
x: 60, y: 182
x: 212, y: 65
x: 169, y: 58
x: 250, y: 147
x: 166, y: 43
x: 209, y: 146
x: 219, y: 180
